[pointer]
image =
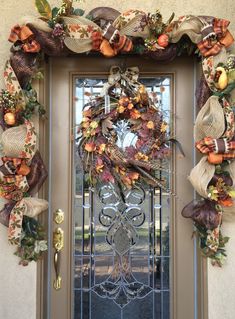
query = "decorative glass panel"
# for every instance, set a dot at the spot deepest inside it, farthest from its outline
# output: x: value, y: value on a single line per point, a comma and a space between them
x: 121, y: 249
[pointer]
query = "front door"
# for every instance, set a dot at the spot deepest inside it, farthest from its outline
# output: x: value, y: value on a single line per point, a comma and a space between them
x: 153, y: 277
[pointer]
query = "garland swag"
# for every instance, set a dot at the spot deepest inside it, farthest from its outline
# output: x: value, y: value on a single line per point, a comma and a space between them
x: 65, y: 31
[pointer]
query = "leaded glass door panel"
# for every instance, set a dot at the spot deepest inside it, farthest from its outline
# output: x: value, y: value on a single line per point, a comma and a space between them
x: 122, y: 259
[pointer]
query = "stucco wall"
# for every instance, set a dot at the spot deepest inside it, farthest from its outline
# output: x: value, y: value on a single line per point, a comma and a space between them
x: 18, y: 284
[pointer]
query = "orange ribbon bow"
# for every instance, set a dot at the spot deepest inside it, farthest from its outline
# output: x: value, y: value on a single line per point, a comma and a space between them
x: 25, y: 35
x: 110, y: 42
x: 224, y: 38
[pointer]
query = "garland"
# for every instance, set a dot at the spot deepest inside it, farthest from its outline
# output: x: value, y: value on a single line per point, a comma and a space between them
x: 66, y: 30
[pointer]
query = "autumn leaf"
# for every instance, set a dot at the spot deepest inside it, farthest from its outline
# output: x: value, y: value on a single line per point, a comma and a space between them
x: 150, y: 125
x: 135, y: 114
x: 44, y: 8
x: 226, y: 202
x: 106, y: 125
x: 90, y: 147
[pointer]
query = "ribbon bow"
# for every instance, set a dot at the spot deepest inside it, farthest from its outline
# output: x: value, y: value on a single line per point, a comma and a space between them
x: 25, y: 36
x: 215, y: 37
x: 131, y: 76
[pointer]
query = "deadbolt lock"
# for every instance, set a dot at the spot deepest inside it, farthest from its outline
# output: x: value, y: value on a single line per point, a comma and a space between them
x: 59, y: 216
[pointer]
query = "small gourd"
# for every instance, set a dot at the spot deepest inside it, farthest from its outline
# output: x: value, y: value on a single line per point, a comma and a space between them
x: 223, y: 78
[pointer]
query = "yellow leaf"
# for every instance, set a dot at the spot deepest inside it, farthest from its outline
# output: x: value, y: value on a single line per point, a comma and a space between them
x: 44, y: 8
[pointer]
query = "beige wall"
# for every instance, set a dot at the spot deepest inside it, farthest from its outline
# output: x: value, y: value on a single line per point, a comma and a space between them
x: 17, y: 284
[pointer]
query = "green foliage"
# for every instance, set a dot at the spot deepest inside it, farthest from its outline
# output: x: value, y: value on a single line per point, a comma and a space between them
x: 231, y: 75
x: 33, y: 241
x: 186, y: 46
x: 55, y: 12
x: 32, y: 105
x: 78, y: 12
x: 217, y: 257
x: 44, y: 8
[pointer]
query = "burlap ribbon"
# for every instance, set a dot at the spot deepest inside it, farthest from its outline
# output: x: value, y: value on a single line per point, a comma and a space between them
x: 201, y: 176
x: 210, y: 120
x: 85, y: 35
x: 210, y: 34
x: 20, y: 141
x: 37, y: 23
x: 130, y: 75
x: 11, y: 81
x: 30, y: 207
x: 213, y: 131
x: 13, y: 86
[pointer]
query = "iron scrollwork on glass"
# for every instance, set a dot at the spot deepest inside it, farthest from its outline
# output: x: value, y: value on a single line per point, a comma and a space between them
x: 122, y: 215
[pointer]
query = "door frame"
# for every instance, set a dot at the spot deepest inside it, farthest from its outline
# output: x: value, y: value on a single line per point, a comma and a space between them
x: 44, y: 90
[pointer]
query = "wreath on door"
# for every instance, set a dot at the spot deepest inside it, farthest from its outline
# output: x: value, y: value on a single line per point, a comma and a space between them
x: 66, y: 30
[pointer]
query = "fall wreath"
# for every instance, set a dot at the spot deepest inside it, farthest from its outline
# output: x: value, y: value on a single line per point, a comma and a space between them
x: 129, y: 105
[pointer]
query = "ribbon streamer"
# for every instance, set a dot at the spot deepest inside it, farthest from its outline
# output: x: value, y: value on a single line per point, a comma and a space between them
x: 30, y: 207
x: 85, y: 35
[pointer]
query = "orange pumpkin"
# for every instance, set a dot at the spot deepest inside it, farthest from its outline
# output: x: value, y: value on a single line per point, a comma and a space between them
x: 163, y: 40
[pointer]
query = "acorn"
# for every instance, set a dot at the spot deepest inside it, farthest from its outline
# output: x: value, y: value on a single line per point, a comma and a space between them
x: 9, y: 118
x: 163, y: 40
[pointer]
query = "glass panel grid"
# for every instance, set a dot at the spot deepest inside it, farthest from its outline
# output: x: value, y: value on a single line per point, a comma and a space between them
x: 146, y: 278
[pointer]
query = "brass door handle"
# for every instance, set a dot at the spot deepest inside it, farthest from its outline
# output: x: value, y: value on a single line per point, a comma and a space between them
x: 58, y: 244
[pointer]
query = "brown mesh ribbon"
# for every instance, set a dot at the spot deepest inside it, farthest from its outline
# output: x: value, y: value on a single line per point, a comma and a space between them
x: 50, y: 45
x: 202, y: 213
x: 166, y: 55
x: 5, y: 213
x: 102, y: 15
x: 37, y: 175
x: 24, y: 65
x: 203, y: 92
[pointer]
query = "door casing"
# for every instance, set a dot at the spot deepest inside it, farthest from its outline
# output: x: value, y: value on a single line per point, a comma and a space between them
x: 56, y: 93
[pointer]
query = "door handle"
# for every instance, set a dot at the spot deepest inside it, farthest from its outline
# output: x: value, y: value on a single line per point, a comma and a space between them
x: 58, y: 244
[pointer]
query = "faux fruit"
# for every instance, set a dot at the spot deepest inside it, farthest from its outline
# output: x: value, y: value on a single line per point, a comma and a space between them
x: 9, y: 118
x: 163, y: 40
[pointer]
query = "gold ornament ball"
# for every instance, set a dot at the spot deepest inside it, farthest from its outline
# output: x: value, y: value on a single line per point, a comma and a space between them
x: 9, y: 118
